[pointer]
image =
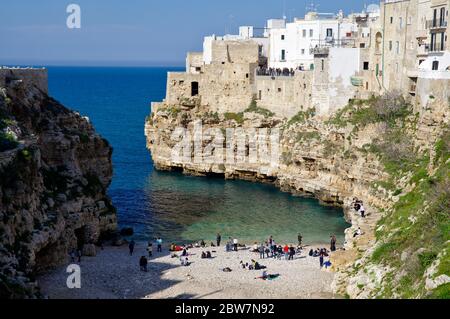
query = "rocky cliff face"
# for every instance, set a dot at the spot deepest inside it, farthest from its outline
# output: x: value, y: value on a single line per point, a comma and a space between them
x: 354, y: 153
x: 54, y: 173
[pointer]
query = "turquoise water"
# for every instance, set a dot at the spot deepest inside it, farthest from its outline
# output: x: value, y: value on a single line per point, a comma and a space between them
x: 171, y: 205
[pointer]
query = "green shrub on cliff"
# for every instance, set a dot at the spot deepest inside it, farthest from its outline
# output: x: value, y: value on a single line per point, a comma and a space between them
x: 417, y: 229
x: 7, y: 142
x: 238, y: 117
x: 254, y: 108
x: 387, y: 108
x: 302, y: 116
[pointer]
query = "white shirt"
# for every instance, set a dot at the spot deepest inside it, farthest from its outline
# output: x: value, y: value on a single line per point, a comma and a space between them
x: 235, y: 241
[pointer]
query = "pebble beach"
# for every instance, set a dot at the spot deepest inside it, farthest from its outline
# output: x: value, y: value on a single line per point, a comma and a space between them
x: 114, y: 274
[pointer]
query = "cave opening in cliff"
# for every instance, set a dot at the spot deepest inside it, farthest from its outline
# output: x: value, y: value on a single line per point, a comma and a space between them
x: 48, y: 257
x: 80, y: 234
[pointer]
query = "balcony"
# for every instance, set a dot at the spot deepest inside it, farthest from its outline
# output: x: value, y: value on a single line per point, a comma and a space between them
x: 357, y: 81
x: 436, y: 24
x: 423, y: 49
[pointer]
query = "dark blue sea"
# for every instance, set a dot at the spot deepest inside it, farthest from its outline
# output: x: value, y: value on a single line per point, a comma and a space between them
x: 176, y: 207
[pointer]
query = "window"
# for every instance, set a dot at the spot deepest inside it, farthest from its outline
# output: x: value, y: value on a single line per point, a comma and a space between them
x: 329, y: 33
x: 323, y: 64
x: 366, y: 65
x: 194, y: 88
x: 282, y: 37
x: 303, y: 51
x: 279, y: 90
x: 442, y: 18
x: 283, y: 55
x: 392, y: 20
x: 421, y: 61
x: 304, y: 33
x: 397, y: 45
x: 362, y: 45
x: 434, y: 18
x: 311, y: 33
x: 390, y: 45
x: 435, y: 66
x: 401, y: 22
x: 198, y: 69
x: 246, y: 75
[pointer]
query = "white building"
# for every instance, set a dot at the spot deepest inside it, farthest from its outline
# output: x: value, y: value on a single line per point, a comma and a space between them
x: 291, y: 43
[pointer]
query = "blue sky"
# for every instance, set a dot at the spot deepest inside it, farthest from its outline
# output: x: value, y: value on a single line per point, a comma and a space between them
x: 133, y: 32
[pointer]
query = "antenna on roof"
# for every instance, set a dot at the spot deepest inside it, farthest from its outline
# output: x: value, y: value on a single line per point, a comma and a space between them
x: 311, y: 7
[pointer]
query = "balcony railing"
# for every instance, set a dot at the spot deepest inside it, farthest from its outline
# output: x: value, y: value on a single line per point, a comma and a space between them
x: 436, y: 24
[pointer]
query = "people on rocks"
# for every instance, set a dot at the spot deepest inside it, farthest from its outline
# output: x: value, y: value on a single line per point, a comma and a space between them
x: 357, y: 233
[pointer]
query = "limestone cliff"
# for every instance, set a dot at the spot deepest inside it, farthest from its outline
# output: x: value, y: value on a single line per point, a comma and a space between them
x: 54, y: 173
x: 372, y: 150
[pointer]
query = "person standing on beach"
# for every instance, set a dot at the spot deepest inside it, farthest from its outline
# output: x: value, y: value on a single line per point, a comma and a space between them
x: 300, y: 239
x: 321, y: 255
x: 131, y: 247
x: 291, y: 252
x: 286, y: 252
x: 159, y: 243
x: 143, y: 262
x: 235, y: 244
x: 150, y: 249
x: 218, y: 239
x: 333, y: 243
x: 261, y: 251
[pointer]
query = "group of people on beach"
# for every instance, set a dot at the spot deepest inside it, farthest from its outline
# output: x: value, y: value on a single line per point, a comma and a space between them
x: 143, y: 261
x: 267, y: 249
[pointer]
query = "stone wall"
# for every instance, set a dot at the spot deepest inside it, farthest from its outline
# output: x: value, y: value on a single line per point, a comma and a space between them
x: 32, y: 77
x: 194, y: 62
x: 331, y: 85
x: 285, y: 95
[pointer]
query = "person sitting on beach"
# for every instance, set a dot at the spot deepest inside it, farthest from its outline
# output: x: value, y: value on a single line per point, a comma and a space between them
x: 203, y: 256
x: 257, y: 266
x: 202, y: 244
x: 255, y: 248
x: 311, y: 253
x: 235, y: 244
x: 184, y: 253
x: 358, y: 232
x: 184, y: 261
